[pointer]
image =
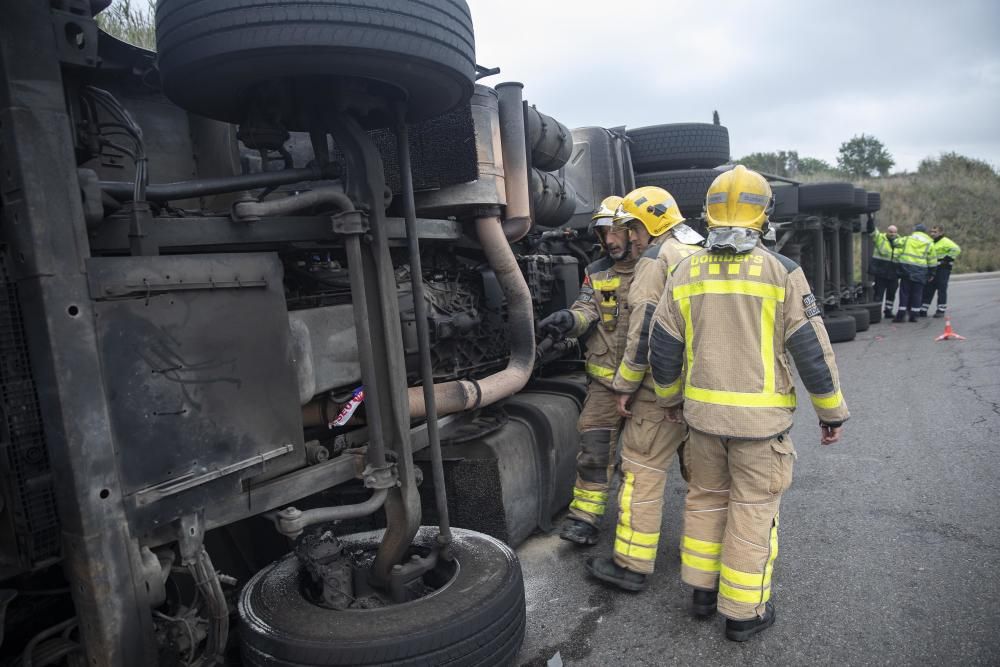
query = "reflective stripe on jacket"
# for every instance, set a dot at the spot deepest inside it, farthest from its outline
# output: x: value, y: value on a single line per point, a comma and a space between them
x: 884, y: 255
x: 601, y: 314
x: 945, y: 251
x: 719, y: 340
x: 915, y: 259
x: 651, y: 272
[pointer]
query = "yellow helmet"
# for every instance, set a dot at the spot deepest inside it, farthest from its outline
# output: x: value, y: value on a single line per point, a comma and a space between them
x: 739, y: 198
x: 603, y: 219
x: 654, y: 207
x: 608, y: 208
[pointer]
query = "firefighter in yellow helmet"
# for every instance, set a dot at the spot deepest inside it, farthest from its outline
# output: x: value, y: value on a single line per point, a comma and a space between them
x: 601, y: 314
x: 718, y: 349
x: 648, y: 440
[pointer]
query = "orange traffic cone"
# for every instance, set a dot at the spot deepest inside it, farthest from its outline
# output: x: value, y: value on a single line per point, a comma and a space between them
x: 949, y: 333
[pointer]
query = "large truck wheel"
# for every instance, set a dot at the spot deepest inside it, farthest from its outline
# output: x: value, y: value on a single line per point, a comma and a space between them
x: 840, y: 328
x: 212, y: 54
x: 874, y: 312
x: 471, y: 613
x: 679, y: 146
x: 833, y: 196
x: 862, y: 318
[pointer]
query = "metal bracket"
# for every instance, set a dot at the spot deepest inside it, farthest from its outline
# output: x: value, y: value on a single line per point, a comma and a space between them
x: 189, y: 481
x: 76, y: 36
x: 382, y: 477
x: 190, y: 537
x: 350, y: 222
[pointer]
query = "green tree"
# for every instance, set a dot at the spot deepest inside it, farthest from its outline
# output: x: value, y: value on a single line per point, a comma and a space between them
x: 864, y: 155
x: 779, y: 163
x: 811, y: 165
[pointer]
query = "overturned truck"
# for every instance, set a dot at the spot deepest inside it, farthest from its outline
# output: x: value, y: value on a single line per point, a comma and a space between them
x: 268, y: 334
x: 269, y: 388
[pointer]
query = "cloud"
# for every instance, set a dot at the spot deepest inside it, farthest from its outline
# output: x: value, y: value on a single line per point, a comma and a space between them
x: 922, y: 76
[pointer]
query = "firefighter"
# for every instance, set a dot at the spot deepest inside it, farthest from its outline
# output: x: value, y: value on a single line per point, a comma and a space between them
x: 718, y: 348
x: 649, y: 441
x: 883, y: 266
x: 915, y: 266
x: 944, y: 252
x: 601, y: 312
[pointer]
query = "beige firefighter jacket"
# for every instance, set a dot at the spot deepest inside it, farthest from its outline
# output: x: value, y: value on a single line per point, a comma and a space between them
x: 721, y: 339
x: 651, y: 271
x: 601, y: 313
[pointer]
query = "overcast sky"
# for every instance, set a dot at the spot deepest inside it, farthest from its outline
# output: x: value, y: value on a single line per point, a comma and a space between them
x: 922, y: 76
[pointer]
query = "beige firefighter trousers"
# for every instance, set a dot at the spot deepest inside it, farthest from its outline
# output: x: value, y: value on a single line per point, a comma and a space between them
x: 730, y: 539
x: 599, y: 426
x: 649, y: 442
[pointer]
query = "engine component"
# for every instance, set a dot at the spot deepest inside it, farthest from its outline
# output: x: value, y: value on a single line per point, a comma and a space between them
x: 554, y: 200
x: 551, y: 142
x: 490, y: 188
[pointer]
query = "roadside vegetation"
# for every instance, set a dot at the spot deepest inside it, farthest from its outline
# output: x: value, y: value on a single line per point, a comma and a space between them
x: 131, y: 21
x: 952, y: 190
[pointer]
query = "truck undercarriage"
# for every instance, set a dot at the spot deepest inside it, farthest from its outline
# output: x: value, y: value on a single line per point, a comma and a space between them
x: 267, y: 334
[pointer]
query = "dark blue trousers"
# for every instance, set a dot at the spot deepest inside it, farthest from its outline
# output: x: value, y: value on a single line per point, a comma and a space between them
x: 911, y: 296
x: 939, y: 285
x: 886, y: 287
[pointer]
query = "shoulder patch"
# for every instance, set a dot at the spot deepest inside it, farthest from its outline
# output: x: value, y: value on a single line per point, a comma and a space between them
x: 809, y: 303
x: 602, y: 264
x: 789, y: 264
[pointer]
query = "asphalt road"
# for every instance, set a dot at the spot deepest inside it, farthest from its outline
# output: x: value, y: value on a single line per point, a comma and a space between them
x: 890, y: 539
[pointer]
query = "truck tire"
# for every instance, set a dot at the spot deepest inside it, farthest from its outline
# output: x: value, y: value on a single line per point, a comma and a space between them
x: 478, y: 618
x: 688, y: 187
x: 814, y: 197
x: 874, y: 312
x: 862, y: 318
x: 211, y: 54
x: 840, y: 328
x: 860, y: 201
x: 678, y: 146
x: 874, y: 202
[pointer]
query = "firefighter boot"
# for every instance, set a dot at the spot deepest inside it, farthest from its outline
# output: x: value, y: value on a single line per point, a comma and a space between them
x: 607, y: 570
x: 579, y: 532
x: 900, y: 316
x: 704, y: 603
x: 740, y: 631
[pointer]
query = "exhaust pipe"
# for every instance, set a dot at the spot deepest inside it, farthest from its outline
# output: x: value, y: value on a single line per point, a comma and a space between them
x: 470, y: 394
x: 514, y: 143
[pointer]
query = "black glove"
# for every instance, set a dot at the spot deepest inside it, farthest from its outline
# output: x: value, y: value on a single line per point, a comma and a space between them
x: 556, y: 325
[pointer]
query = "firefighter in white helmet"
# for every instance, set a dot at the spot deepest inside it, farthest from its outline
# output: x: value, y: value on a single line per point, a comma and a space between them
x: 648, y: 440
x: 601, y: 314
x: 718, y: 349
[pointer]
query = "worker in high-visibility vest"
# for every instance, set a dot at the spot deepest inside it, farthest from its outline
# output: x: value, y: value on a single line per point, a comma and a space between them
x: 944, y: 252
x: 915, y: 265
x: 722, y: 334
x: 649, y: 442
x: 883, y: 265
x: 601, y: 314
